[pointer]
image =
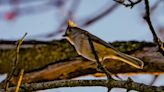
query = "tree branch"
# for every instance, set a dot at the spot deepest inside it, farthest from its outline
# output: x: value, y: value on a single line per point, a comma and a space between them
x: 15, y: 62
x: 130, y: 4
x: 99, y: 65
x: 58, y: 60
x: 157, y: 40
x: 101, y: 15
x: 83, y: 83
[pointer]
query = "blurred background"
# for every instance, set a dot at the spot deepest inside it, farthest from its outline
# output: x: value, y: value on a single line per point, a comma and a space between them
x: 47, y: 20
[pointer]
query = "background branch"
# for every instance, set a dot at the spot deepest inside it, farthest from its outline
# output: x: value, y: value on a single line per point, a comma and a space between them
x: 129, y: 4
x: 92, y: 20
x: 157, y: 40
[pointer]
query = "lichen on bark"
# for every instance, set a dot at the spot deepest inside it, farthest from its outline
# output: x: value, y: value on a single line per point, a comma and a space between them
x: 37, y: 56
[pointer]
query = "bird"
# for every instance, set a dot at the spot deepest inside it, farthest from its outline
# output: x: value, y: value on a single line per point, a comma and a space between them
x: 79, y: 39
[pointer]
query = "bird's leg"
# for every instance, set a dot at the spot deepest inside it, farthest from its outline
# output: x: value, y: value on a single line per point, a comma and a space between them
x: 100, y: 66
x: 115, y: 75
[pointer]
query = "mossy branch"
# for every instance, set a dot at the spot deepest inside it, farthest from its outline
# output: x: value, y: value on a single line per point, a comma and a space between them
x: 41, y: 59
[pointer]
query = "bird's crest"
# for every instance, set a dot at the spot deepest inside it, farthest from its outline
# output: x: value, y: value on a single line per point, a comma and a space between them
x: 71, y: 23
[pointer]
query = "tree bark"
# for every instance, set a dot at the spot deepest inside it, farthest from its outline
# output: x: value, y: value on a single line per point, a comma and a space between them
x: 130, y: 85
x: 57, y: 59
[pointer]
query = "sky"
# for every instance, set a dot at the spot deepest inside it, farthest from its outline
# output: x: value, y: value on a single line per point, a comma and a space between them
x: 122, y: 25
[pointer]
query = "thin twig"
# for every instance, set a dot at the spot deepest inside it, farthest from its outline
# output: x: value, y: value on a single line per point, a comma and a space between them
x: 99, y: 65
x: 101, y: 15
x: 70, y: 14
x: 157, y: 40
x: 130, y: 4
x: 88, y: 22
x: 28, y: 42
x: 155, y: 6
x: 154, y: 80
x: 20, y: 80
x: 15, y: 63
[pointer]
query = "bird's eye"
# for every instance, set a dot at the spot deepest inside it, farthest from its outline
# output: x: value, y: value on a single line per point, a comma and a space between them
x: 69, y: 30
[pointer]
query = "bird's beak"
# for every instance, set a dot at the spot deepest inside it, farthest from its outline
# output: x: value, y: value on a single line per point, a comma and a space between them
x: 65, y: 35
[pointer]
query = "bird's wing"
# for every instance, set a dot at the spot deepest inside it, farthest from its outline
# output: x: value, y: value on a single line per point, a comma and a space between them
x: 135, y: 62
x: 98, y: 40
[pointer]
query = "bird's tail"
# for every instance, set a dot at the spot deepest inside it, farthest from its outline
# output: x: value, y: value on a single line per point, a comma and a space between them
x: 135, y: 62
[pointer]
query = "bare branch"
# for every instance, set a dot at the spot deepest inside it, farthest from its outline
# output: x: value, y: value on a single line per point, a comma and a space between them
x: 99, y: 65
x: 154, y: 79
x: 130, y: 4
x: 157, y: 40
x: 82, y: 83
x: 70, y: 14
x: 15, y: 63
x: 100, y: 16
x: 87, y: 22
x: 154, y: 7
x: 19, y: 80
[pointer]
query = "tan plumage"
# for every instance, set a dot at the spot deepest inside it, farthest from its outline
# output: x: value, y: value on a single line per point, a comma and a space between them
x: 79, y: 39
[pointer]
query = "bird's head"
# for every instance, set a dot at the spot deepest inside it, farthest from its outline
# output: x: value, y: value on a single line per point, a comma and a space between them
x: 71, y: 29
